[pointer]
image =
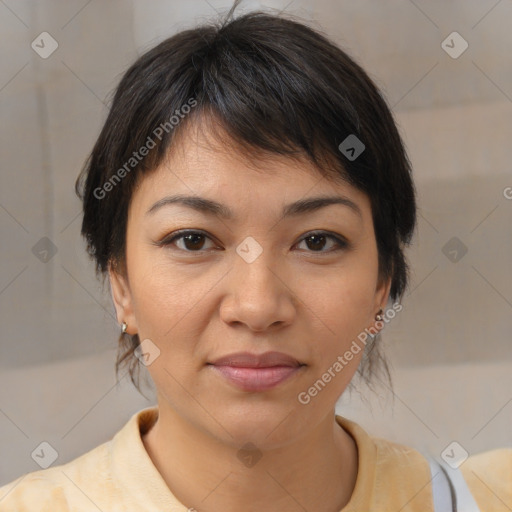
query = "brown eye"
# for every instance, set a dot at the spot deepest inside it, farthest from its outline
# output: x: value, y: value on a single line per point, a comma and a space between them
x: 316, y: 242
x: 191, y: 241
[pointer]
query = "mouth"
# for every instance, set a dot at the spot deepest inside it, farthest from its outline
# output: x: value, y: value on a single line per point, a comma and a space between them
x: 253, y: 372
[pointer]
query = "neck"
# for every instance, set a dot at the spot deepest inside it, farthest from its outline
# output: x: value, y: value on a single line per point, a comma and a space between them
x: 316, y: 472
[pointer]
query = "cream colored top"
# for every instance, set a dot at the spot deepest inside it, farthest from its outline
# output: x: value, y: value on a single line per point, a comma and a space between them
x: 120, y: 476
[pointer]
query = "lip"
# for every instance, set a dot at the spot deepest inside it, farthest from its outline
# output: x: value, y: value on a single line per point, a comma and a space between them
x: 256, y: 372
x: 249, y: 360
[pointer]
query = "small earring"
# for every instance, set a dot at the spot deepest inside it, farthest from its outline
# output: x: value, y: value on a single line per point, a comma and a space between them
x: 378, y: 316
x: 124, y: 326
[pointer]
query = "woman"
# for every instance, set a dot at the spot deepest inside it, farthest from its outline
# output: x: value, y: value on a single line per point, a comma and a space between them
x: 249, y: 199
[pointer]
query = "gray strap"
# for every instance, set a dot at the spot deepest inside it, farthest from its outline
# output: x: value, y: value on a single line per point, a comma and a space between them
x: 450, y: 490
x: 442, y: 491
x: 465, y: 500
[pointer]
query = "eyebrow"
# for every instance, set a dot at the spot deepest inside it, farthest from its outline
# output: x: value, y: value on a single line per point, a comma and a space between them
x: 210, y: 207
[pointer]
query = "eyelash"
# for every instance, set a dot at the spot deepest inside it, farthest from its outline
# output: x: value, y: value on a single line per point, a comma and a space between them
x: 166, y: 242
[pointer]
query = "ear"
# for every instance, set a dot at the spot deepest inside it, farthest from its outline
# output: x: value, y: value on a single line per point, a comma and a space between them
x: 122, y: 298
x: 382, y: 293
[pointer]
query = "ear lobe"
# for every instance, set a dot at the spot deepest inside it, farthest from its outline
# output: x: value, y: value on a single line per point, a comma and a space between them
x: 122, y: 299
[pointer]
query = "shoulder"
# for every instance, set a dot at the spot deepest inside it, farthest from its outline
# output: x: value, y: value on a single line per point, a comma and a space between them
x: 400, y: 463
x: 489, y: 477
x: 32, y: 492
x: 52, y: 489
x: 91, y: 481
x: 383, y: 452
x: 396, y: 476
x: 391, y: 476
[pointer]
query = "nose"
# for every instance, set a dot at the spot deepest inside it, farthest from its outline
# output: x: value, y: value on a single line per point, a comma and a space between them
x: 259, y: 295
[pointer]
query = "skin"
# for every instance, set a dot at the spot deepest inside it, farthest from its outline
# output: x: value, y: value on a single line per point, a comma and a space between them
x: 304, y: 299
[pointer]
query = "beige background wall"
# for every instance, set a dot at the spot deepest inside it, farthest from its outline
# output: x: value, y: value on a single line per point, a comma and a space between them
x: 451, y: 346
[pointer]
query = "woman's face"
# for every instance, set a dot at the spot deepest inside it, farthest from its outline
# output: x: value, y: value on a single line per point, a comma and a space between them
x: 301, y: 281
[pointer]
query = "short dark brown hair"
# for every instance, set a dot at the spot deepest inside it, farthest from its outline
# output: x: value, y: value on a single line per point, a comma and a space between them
x: 274, y: 85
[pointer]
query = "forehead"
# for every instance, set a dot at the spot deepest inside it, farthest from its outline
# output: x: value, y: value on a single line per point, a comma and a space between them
x: 208, y: 163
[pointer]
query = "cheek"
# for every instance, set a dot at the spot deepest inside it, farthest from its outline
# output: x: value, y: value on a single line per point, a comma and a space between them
x: 163, y: 299
x: 344, y: 317
x: 172, y: 303
x: 344, y: 298
x: 345, y: 305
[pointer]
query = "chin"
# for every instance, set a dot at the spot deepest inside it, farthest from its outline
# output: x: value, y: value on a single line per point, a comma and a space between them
x: 264, y: 426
